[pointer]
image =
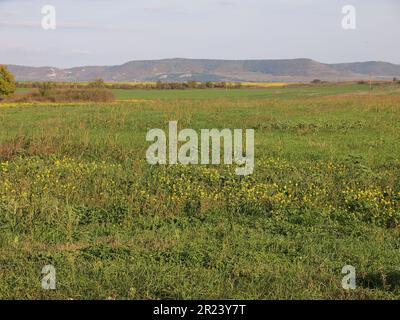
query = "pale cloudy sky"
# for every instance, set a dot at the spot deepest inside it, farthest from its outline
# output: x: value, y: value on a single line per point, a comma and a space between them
x: 107, y: 32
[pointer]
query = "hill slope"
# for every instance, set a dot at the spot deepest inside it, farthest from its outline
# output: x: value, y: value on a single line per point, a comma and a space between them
x: 214, y: 70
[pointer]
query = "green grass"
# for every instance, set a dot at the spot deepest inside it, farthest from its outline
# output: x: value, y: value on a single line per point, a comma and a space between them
x: 152, y: 94
x: 23, y: 90
x: 76, y: 192
x: 200, y: 94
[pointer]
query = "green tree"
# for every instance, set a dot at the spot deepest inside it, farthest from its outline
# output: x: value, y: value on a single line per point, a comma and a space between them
x: 7, y: 82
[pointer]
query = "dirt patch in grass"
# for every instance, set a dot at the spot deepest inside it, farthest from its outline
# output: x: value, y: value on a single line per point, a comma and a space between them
x: 22, y: 146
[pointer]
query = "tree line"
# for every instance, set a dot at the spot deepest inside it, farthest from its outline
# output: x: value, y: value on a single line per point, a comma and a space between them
x: 161, y: 85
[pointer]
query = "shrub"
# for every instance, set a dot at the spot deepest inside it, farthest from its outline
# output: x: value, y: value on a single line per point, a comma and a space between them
x: 97, y: 83
x: 192, y: 84
x: 7, y: 82
x: 45, y: 88
x: 100, y: 84
x: 90, y: 94
x: 47, y: 93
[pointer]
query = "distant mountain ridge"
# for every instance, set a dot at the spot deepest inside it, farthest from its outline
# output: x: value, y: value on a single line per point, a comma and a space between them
x: 214, y: 70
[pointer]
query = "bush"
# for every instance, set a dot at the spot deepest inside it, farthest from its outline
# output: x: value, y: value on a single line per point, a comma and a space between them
x: 48, y: 94
x: 97, y: 83
x: 161, y: 85
x: 45, y: 88
x: 7, y: 82
x: 90, y: 94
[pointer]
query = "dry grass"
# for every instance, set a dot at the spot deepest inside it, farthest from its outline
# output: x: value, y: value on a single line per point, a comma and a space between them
x: 64, y: 95
x: 23, y: 146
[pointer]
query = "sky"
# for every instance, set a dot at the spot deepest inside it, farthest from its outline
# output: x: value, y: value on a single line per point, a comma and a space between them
x: 111, y: 32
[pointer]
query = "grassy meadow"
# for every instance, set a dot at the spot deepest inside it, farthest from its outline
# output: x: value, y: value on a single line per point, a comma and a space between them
x: 76, y: 192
